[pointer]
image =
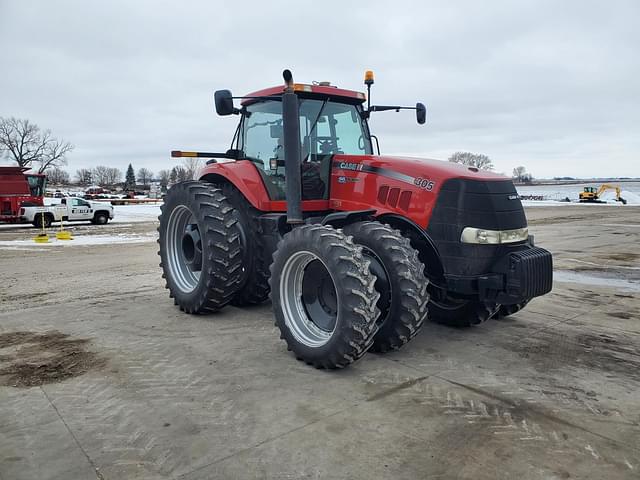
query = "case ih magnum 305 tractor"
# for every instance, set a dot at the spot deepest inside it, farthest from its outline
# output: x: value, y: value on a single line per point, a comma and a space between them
x: 355, y: 249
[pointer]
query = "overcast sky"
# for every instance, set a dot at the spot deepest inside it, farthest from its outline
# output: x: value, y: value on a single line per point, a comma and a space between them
x: 551, y: 85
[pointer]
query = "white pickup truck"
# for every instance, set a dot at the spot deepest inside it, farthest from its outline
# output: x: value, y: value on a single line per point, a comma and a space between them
x: 70, y: 209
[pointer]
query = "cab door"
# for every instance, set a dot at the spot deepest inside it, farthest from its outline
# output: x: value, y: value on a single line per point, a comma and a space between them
x: 80, y: 210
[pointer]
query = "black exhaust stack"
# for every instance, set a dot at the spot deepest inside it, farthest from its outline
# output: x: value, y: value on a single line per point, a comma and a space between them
x: 291, y: 127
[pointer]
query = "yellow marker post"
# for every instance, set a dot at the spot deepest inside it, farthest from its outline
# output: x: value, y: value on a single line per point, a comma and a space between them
x: 63, y: 234
x: 42, y: 237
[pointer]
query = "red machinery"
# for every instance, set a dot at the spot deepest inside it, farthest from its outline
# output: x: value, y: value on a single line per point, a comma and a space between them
x: 18, y: 189
x: 354, y: 248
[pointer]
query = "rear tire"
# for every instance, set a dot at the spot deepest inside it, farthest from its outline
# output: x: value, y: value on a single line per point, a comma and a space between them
x: 37, y: 221
x: 400, y: 281
x: 200, y: 248
x: 255, y: 267
x: 323, y: 296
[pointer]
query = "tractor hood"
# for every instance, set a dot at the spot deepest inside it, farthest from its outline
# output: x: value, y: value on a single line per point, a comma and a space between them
x: 435, y: 170
x: 414, y: 187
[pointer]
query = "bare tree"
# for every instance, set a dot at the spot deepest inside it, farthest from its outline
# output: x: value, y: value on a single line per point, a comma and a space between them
x: 26, y: 144
x: 145, y: 176
x: 518, y: 173
x: 54, y: 155
x: 179, y: 174
x: 164, y: 176
x: 106, y: 176
x: 191, y: 165
x: 472, y: 159
x: 114, y: 175
x: 58, y: 176
x: 21, y: 140
x: 84, y: 176
x: 99, y: 175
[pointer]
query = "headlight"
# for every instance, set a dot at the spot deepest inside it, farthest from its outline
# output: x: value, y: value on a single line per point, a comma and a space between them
x: 480, y: 235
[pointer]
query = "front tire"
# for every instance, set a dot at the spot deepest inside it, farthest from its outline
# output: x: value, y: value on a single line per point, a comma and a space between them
x: 462, y: 313
x: 323, y: 296
x: 506, y: 310
x: 200, y: 248
x: 100, y: 219
x: 400, y: 281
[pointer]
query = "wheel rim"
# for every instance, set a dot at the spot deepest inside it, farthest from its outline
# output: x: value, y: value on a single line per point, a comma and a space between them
x: 309, y: 299
x: 184, y: 249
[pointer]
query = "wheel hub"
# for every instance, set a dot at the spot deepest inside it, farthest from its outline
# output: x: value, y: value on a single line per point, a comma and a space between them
x: 192, y: 247
x: 319, y: 296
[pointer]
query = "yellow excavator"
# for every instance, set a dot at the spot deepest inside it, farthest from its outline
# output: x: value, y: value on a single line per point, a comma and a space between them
x: 592, y: 194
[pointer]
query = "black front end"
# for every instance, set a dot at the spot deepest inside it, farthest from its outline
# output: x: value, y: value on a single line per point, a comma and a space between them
x: 505, y: 273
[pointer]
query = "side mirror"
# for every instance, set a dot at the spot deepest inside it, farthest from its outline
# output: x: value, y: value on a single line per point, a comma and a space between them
x: 421, y: 113
x: 224, y: 102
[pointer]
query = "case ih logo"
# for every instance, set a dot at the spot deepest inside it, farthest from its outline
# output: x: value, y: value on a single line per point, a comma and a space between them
x: 351, y: 166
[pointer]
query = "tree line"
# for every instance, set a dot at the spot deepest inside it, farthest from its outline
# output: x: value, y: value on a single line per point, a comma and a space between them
x: 31, y: 147
x: 483, y: 162
x: 110, y: 176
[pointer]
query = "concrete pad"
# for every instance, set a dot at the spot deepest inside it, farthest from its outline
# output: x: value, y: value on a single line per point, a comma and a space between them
x: 550, y: 392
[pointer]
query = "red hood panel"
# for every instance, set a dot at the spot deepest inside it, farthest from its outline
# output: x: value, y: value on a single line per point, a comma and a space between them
x: 442, y: 170
x: 402, y: 186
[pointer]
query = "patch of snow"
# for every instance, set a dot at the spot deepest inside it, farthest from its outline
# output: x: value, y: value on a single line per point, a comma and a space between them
x: 557, y: 203
x: 136, y: 213
x: 78, y: 240
x: 630, y: 197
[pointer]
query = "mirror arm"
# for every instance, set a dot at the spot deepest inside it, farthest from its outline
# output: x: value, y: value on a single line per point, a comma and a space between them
x: 383, y: 108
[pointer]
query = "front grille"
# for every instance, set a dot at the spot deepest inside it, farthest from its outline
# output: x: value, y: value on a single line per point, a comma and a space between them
x: 489, y: 204
x: 530, y: 273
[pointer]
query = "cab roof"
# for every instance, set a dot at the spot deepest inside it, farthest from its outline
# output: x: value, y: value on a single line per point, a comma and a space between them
x: 310, y: 91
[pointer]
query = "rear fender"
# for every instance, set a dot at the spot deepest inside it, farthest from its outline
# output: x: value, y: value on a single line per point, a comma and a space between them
x: 243, y: 175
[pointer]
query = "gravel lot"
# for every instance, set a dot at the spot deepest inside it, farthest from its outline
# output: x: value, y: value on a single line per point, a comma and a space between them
x: 149, y: 392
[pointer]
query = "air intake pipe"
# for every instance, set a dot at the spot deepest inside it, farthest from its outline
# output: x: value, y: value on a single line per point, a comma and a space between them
x: 292, y: 161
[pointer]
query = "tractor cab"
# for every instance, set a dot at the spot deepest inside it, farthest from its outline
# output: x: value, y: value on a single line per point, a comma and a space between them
x: 37, y: 184
x: 330, y: 123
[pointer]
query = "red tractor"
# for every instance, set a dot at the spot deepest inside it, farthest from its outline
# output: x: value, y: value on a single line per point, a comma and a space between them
x: 355, y: 248
x: 19, y: 189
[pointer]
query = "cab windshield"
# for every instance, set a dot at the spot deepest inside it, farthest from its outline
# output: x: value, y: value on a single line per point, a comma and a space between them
x: 36, y: 185
x: 326, y: 128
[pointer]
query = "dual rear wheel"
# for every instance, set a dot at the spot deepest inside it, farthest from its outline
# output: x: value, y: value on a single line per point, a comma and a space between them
x: 337, y: 294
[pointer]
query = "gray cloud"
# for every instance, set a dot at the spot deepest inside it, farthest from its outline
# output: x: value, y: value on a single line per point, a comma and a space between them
x: 550, y: 85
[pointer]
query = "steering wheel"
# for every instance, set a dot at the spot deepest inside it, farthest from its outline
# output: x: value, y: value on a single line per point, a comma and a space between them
x: 327, y: 144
